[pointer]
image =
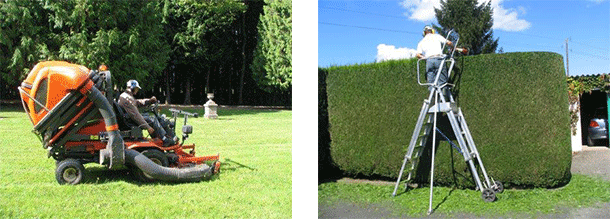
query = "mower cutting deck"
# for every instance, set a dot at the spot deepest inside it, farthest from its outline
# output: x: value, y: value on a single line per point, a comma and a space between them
x: 78, y: 121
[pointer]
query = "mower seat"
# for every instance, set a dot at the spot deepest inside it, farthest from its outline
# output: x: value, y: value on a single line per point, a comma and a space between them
x: 126, y: 126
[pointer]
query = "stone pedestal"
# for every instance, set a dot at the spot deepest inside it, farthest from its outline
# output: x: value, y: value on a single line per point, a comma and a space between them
x: 211, y: 108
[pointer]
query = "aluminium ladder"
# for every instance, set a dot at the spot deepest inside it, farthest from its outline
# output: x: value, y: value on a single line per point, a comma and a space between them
x: 438, y: 103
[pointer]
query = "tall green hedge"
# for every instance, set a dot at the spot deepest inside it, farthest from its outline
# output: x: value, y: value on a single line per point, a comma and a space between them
x: 516, y: 106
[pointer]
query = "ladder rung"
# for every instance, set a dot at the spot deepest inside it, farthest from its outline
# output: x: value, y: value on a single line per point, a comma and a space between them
x: 416, y: 156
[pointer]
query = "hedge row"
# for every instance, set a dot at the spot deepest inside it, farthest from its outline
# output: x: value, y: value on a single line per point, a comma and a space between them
x: 516, y: 106
x: 326, y: 168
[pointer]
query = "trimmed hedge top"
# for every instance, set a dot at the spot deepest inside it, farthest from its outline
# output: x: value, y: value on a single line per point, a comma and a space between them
x: 516, y: 106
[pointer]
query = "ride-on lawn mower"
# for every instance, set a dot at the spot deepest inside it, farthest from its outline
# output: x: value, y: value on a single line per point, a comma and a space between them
x: 78, y: 121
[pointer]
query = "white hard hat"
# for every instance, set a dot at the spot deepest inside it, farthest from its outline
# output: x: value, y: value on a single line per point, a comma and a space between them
x: 133, y: 83
x: 428, y: 28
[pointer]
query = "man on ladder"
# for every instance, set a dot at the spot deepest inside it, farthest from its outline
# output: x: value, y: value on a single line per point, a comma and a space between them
x: 431, y: 49
x: 440, y: 102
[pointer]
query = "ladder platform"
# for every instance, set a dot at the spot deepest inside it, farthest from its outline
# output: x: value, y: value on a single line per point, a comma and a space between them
x: 443, y: 108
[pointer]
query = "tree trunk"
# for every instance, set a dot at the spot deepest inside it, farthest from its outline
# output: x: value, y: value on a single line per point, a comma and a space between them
x: 243, y: 60
x: 2, y: 88
x: 288, y: 98
x: 187, y: 95
x: 230, y: 91
x: 168, y: 93
x: 207, y: 83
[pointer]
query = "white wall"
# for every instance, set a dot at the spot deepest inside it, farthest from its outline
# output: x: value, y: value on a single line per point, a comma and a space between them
x: 576, y: 139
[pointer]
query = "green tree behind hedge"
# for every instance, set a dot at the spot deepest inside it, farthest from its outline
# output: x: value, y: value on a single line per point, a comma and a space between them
x: 24, y: 39
x: 125, y: 35
x: 166, y: 44
x: 472, y: 21
x: 272, y: 65
x: 203, y: 37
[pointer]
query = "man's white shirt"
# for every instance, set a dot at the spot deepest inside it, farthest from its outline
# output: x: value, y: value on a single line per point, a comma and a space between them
x: 431, y: 45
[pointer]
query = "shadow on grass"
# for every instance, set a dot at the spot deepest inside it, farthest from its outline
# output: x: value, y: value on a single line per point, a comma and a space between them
x: 16, y: 106
x: 233, y: 112
x: 230, y: 163
x: 100, y: 175
x: 11, y: 108
x: 222, y: 111
x: 437, y: 205
x: 444, y: 199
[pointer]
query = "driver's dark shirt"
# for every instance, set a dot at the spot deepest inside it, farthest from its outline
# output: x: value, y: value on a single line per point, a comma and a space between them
x: 130, y: 104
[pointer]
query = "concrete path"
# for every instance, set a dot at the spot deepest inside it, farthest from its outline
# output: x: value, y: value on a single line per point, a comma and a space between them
x: 592, y: 161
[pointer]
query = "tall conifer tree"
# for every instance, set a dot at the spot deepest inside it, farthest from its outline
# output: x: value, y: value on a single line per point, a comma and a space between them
x: 473, y: 21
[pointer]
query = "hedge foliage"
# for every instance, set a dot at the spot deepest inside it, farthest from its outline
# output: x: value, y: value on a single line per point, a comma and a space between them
x: 516, y: 106
x: 326, y: 168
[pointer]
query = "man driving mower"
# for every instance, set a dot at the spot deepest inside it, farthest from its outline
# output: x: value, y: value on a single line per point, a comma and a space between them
x: 156, y: 128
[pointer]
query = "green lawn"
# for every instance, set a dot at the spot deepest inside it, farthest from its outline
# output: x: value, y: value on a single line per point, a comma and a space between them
x: 259, y: 185
x: 582, y: 191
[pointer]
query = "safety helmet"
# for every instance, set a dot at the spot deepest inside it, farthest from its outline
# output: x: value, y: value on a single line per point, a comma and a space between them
x: 428, y: 28
x: 133, y: 83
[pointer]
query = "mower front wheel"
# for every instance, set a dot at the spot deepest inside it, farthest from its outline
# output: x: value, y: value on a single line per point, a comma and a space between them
x: 69, y: 171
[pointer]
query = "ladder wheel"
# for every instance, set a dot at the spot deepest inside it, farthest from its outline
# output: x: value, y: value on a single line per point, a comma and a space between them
x: 498, y: 187
x: 488, y: 195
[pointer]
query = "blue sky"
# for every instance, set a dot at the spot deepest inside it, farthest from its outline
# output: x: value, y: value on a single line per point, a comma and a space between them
x: 354, y: 32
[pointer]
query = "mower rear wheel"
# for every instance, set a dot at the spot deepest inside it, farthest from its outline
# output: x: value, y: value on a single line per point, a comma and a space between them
x: 156, y: 156
x: 69, y: 171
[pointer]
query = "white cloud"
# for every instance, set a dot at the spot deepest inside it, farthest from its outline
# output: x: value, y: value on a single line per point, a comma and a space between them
x: 390, y: 52
x: 595, y: 3
x: 506, y: 19
x: 421, y: 10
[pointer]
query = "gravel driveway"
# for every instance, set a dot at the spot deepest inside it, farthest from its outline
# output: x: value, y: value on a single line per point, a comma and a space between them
x: 590, y: 161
